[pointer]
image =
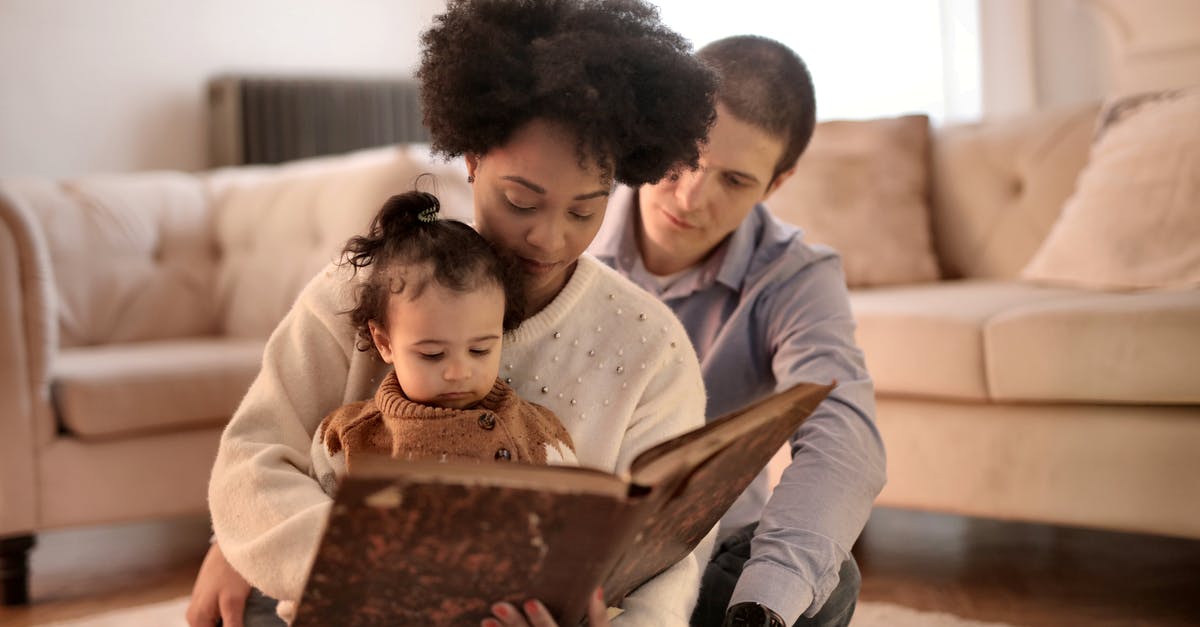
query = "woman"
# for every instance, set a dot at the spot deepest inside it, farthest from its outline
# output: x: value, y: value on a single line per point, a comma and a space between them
x: 550, y: 102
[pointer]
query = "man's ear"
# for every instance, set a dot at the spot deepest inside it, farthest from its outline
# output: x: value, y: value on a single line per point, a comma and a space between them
x: 382, y: 342
x: 779, y: 180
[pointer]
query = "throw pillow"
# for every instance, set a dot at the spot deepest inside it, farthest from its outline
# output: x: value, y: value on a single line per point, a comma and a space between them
x: 1133, y: 221
x: 862, y: 188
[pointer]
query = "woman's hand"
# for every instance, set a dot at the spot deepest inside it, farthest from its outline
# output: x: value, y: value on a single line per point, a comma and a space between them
x: 219, y: 593
x: 536, y: 615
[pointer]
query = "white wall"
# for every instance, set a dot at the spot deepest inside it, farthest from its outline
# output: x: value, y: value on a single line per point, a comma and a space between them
x: 1040, y: 54
x: 118, y: 85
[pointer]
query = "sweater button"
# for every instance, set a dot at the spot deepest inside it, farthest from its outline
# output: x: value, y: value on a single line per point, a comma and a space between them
x: 487, y: 421
x: 503, y: 454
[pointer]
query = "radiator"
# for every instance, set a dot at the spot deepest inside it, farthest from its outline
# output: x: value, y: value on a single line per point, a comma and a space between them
x: 274, y: 119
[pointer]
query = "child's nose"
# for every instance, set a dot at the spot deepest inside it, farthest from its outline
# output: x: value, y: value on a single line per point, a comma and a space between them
x: 456, y: 371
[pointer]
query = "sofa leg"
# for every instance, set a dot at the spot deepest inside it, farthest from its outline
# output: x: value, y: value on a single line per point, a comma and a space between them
x: 14, y: 569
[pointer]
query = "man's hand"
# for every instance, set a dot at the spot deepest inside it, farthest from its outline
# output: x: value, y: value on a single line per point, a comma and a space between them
x: 536, y: 615
x: 219, y: 593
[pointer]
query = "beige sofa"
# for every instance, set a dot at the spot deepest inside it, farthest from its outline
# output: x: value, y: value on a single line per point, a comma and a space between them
x: 135, y: 308
x: 1000, y: 398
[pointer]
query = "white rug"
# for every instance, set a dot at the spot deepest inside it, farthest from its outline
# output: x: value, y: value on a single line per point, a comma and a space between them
x: 170, y: 614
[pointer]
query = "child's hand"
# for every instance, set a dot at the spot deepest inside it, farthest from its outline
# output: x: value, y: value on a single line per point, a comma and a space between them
x: 536, y: 615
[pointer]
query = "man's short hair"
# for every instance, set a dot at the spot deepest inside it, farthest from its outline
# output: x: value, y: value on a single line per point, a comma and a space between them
x: 765, y: 83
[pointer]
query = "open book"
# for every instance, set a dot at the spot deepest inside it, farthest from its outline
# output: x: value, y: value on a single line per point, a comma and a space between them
x: 436, y: 543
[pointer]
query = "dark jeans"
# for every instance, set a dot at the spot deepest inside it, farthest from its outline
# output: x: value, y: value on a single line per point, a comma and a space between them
x: 260, y: 611
x: 716, y: 586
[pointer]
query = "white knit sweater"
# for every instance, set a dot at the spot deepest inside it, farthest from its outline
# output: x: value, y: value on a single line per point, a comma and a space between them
x: 609, y: 359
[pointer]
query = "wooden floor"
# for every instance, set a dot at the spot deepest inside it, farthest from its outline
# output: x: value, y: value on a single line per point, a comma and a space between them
x: 1030, y: 575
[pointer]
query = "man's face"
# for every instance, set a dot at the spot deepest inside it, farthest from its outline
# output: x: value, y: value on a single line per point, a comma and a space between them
x: 684, y: 218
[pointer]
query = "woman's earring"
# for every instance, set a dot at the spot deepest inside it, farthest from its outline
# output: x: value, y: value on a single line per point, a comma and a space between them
x: 470, y: 178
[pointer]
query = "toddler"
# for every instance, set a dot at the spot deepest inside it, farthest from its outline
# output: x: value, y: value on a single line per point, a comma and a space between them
x: 435, y: 303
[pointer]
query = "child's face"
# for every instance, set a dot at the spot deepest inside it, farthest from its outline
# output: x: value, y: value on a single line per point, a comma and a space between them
x: 444, y: 345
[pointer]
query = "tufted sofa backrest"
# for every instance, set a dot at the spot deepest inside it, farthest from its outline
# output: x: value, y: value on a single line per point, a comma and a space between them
x: 277, y: 226
x: 998, y: 187
x: 131, y: 255
x: 156, y: 255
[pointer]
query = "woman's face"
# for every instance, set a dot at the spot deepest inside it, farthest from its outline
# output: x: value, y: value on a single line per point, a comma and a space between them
x: 534, y: 200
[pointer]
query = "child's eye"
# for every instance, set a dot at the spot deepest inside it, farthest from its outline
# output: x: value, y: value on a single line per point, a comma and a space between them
x: 582, y: 217
x: 432, y: 356
x: 480, y: 351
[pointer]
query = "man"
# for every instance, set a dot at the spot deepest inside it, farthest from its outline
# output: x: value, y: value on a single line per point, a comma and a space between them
x: 764, y: 311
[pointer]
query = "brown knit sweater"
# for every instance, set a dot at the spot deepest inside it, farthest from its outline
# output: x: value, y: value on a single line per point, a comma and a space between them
x: 501, y: 427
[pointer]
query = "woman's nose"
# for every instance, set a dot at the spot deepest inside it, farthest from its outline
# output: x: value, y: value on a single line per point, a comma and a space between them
x: 546, y: 234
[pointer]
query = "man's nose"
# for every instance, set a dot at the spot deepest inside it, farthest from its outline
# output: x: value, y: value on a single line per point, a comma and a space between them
x: 689, y: 189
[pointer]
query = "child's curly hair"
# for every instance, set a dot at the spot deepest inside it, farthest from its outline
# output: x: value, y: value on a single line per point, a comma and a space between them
x: 625, y: 85
x: 407, y: 233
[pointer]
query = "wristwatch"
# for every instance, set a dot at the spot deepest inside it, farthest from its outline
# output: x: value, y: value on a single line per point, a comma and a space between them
x: 750, y: 614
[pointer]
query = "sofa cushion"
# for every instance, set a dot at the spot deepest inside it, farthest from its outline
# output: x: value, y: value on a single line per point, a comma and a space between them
x: 111, y: 391
x: 1134, y: 219
x: 277, y: 226
x: 151, y: 232
x: 1097, y: 347
x: 927, y: 340
x: 999, y: 186
x: 862, y: 187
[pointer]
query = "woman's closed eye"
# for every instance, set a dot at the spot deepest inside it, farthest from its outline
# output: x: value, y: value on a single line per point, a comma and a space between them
x: 518, y: 207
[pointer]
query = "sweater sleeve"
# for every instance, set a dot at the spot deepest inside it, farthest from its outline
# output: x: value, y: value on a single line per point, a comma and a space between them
x: 268, y: 512
x: 672, y: 403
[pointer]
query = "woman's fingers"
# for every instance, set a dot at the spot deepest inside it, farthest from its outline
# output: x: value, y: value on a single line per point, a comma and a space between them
x: 218, y: 594
x: 233, y: 607
x: 531, y: 614
x: 538, y: 615
x: 597, y: 610
x: 506, y: 615
x: 198, y: 616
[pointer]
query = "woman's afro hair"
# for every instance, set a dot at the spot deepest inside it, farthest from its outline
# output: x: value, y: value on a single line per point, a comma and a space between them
x: 623, y: 84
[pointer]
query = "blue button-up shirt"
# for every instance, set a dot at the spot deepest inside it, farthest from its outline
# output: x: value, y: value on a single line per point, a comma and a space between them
x: 766, y: 311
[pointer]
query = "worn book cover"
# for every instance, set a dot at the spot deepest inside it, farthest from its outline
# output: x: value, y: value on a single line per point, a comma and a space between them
x: 436, y: 543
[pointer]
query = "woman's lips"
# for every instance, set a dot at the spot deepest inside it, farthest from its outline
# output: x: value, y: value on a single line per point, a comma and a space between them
x: 537, y: 267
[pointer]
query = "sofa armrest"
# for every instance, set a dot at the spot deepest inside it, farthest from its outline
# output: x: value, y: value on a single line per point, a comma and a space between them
x: 28, y: 336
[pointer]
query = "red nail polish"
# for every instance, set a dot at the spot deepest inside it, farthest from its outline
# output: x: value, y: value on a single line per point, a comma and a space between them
x: 531, y: 608
x: 501, y: 611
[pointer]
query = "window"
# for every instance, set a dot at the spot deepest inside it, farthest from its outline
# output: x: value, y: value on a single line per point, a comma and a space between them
x: 868, y: 58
